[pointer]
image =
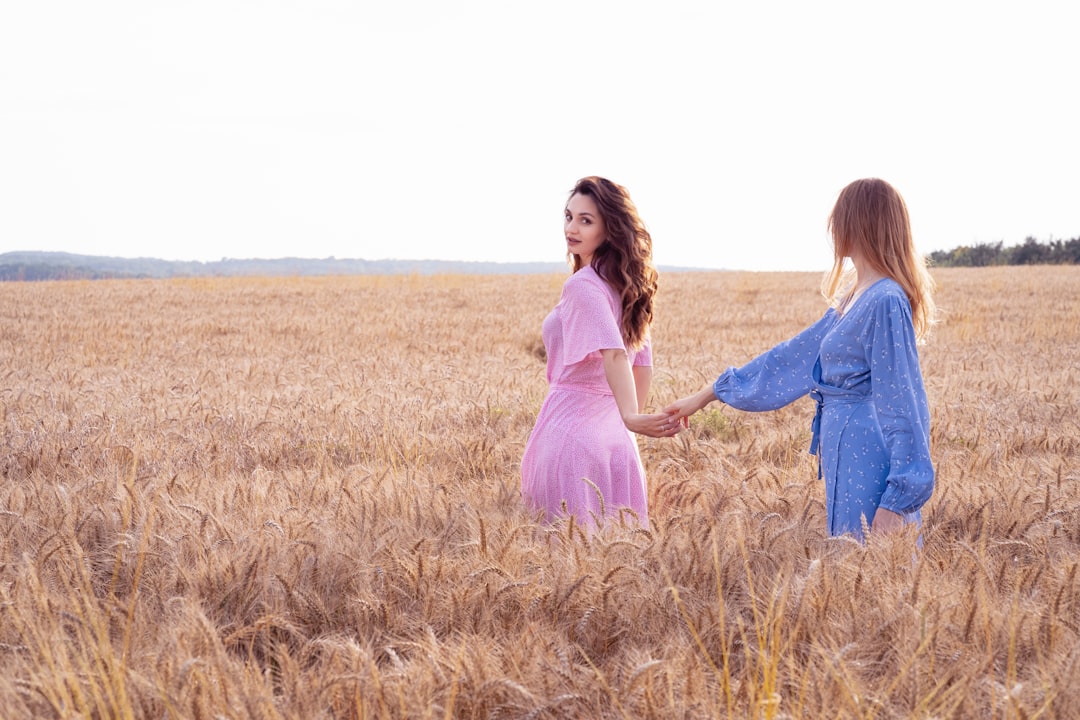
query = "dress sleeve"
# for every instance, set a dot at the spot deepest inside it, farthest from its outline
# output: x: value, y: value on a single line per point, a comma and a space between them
x: 902, y: 410
x: 777, y: 377
x: 589, y: 322
x: 643, y: 356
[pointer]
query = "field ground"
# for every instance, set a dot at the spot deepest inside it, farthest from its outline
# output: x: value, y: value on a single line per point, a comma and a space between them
x: 299, y: 498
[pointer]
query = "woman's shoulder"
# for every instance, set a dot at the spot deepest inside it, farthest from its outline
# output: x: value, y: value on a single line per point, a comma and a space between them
x: 586, y: 274
x: 885, y: 290
x: 886, y: 297
x: 586, y: 280
x: 586, y: 289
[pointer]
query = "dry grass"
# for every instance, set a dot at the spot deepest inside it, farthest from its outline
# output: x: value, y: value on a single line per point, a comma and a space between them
x: 299, y: 498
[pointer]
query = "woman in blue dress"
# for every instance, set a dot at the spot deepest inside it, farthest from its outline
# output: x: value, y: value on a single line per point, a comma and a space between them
x: 871, y: 431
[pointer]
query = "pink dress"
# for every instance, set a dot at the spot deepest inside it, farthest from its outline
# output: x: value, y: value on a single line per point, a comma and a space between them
x: 579, y: 440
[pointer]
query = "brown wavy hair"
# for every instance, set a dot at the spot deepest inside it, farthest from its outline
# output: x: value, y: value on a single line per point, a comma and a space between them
x: 624, y: 259
x: 871, y: 218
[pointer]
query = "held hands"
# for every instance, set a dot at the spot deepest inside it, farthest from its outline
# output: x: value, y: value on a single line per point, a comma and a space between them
x: 673, y: 419
x: 658, y: 425
x: 683, y: 408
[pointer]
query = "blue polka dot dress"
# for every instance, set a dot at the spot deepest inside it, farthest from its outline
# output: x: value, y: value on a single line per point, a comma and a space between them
x: 872, y: 427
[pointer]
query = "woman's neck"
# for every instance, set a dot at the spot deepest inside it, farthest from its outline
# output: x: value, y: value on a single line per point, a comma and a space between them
x: 865, y: 274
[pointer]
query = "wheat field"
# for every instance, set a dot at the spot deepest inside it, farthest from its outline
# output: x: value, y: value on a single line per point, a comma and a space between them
x: 299, y: 498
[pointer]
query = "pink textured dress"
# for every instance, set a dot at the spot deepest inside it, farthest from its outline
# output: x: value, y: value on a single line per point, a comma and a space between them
x: 580, y: 445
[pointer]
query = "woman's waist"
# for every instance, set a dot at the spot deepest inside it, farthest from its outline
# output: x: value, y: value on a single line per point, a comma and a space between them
x: 586, y: 388
x: 834, y: 403
x: 833, y: 395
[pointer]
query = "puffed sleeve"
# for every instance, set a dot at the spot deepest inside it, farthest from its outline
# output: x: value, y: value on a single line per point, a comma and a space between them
x: 588, y: 318
x: 778, y: 376
x: 902, y: 410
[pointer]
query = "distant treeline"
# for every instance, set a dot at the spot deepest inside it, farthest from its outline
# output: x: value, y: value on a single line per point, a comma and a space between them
x: 1030, y: 252
x: 19, y: 271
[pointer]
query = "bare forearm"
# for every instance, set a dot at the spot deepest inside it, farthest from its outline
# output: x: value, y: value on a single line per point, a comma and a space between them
x: 621, y: 381
x: 642, y: 383
x: 687, y: 406
x: 630, y: 388
x: 702, y: 398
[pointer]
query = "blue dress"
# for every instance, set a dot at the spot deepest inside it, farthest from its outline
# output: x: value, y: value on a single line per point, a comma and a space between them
x: 871, y: 431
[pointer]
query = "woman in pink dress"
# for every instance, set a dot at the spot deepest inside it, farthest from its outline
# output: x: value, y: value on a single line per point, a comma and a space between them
x: 582, y: 458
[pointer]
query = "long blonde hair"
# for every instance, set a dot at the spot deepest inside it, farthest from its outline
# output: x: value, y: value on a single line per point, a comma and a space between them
x: 871, y: 218
x: 624, y: 260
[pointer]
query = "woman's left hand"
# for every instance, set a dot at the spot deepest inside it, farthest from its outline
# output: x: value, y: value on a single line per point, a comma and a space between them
x: 657, y: 425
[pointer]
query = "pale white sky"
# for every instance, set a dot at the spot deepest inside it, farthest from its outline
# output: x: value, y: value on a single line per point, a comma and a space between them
x: 202, y: 129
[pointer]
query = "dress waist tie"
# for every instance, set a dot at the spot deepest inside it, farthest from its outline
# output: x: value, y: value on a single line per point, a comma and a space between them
x: 815, y: 429
x: 840, y: 397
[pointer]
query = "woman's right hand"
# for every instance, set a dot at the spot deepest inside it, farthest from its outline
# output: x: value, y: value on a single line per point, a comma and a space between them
x: 683, y: 408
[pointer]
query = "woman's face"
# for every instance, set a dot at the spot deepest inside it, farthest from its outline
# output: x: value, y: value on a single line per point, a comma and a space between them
x: 584, y: 228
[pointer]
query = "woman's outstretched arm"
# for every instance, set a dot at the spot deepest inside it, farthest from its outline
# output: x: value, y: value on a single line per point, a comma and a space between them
x: 770, y: 381
x: 684, y: 407
x: 629, y: 398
